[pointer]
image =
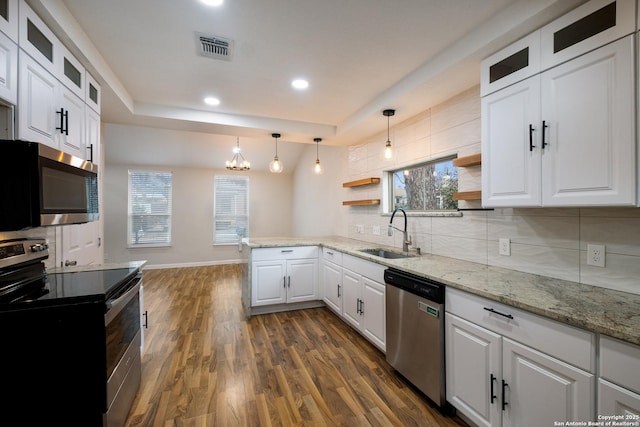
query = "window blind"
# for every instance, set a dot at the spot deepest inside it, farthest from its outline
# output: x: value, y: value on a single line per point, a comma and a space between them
x: 231, y: 209
x: 149, y: 208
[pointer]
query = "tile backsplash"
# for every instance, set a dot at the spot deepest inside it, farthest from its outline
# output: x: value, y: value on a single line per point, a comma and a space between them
x: 546, y: 241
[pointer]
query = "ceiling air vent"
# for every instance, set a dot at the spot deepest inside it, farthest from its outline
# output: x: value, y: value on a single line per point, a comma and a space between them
x: 214, y: 46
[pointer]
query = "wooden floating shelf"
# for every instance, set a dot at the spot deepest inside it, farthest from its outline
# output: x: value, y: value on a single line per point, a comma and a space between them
x: 360, y: 182
x: 463, y: 162
x: 367, y: 202
x: 468, y: 195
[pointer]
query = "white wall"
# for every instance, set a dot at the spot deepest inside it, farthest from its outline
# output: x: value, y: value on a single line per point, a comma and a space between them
x: 317, y: 199
x: 270, y: 204
x: 549, y: 242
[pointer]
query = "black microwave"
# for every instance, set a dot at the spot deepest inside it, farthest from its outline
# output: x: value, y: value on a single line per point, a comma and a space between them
x: 41, y: 186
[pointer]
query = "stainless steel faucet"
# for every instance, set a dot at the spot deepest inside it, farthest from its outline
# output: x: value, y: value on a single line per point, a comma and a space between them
x: 406, y: 240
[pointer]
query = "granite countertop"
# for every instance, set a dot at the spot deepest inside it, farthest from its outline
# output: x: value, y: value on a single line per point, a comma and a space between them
x: 596, y: 309
x: 98, y: 267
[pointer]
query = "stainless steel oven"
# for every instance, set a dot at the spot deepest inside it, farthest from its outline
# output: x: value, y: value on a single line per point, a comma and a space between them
x: 122, y: 325
x: 70, y: 341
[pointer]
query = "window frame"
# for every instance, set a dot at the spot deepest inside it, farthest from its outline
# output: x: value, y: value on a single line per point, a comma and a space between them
x: 217, y: 216
x: 130, y: 214
x: 388, y: 190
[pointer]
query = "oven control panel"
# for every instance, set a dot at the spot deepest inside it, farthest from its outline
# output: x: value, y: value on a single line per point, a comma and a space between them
x: 17, y: 251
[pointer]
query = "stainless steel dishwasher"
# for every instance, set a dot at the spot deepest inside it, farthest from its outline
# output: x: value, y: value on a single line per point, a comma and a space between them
x: 415, y: 331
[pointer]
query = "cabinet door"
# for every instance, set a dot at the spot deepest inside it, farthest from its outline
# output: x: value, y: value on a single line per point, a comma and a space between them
x: 268, y: 283
x: 373, y: 311
x: 302, y: 280
x: 473, y: 370
x: 615, y: 400
x: 8, y: 70
x: 588, y: 106
x: 38, y: 95
x: 332, y: 286
x: 352, y: 287
x: 541, y: 390
x: 9, y: 19
x: 92, y: 132
x: 73, y: 139
x: 510, y: 146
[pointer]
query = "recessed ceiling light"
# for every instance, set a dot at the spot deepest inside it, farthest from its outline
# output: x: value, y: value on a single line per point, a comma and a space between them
x: 213, y: 2
x: 210, y: 100
x: 300, y: 84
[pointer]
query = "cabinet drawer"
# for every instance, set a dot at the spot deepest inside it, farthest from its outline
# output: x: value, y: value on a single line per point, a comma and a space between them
x: 567, y: 343
x: 586, y: 28
x: 364, y: 268
x: 288, y: 252
x: 332, y: 255
x: 620, y: 363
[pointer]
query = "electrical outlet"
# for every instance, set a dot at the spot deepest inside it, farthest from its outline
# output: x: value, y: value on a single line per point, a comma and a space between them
x: 596, y: 255
x: 359, y: 229
x: 504, y: 247
x: 376, y: 230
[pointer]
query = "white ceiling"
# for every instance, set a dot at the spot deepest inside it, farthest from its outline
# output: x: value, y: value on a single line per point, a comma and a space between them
x: 360, y: 57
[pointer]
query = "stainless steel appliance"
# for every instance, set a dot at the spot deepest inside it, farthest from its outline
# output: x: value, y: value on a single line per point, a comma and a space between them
x: 42, y: 186
x: 70, y: 341
x: 415, y: 331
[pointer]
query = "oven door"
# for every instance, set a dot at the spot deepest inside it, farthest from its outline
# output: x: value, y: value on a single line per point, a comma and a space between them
x: 122, y: 324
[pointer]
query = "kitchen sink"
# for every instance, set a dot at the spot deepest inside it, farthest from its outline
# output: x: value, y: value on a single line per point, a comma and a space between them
x: 384, y: 253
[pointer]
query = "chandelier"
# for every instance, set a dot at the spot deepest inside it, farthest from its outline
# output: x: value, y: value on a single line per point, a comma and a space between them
x: 238, y: 162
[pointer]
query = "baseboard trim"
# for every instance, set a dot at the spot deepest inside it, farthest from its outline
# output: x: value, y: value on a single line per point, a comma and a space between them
x: 193, y: 264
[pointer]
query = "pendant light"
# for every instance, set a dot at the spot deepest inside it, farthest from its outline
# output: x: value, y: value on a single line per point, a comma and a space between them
x: 387, y: 148
x: 317, y: 169
x: 238, y: 163
x: 276, y: 165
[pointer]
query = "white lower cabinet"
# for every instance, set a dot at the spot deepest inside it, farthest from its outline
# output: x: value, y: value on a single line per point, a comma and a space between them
x: 619, y: 382
x: 494, y: 380
x: 363, y: 299
x: 279, y: 277
x: 354, y: 289
x: 332, y: 286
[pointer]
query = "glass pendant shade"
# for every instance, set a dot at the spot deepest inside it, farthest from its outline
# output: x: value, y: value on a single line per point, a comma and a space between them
x: 275, y: 166
x: 317, y: 168
x: 388, y: 152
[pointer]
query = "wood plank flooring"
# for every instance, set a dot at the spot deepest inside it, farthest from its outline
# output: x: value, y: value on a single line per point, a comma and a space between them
x: 205, y: 364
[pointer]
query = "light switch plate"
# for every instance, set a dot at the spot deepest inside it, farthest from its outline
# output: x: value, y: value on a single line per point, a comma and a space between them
x: 504, y: 247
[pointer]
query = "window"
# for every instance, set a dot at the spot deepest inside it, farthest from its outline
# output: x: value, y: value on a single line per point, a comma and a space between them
x: 231, y: 209
x: 149, y: 208
x: 425, y: 187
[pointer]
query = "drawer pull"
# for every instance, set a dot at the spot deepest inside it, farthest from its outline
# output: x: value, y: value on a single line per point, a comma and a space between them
x: 508, y: 316
x: 286, y: 251
x: 329, y: 253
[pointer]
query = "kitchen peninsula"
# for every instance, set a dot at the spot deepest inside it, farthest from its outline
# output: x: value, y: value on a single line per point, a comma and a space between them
x: 596, y: 309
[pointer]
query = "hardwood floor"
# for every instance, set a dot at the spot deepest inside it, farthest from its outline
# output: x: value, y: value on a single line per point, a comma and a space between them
x: 205, y: 364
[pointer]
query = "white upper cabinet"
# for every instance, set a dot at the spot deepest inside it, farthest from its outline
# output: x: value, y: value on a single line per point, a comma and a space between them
x: 8, y: 70
x: 71, y: 135
x: 37, y: 39
x: 511, y: 151
x: 71, y: 73
x: 92, y: 94
x: 585, y: 28
x: 512, y: 64
x: 38, y: 99
x: 589, y: 142
x: 9, y: 18
x: 566, y: 135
